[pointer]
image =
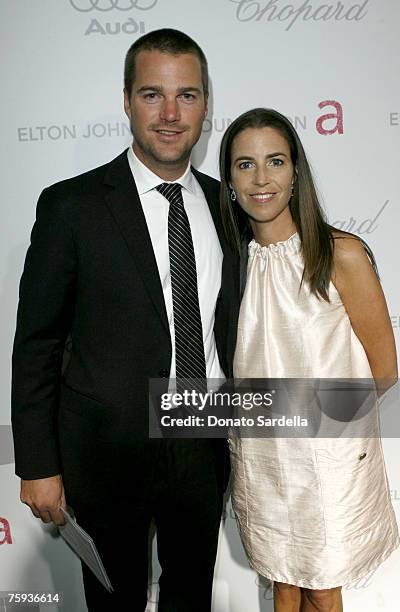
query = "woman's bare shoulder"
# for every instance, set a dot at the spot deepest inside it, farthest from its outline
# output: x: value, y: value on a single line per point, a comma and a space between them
x: 348, y: 250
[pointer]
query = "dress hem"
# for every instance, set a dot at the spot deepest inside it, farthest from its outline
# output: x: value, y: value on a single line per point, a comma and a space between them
x: 318, y: 586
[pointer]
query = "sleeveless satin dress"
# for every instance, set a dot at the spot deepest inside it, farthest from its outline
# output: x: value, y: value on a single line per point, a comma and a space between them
x: 312, y: 512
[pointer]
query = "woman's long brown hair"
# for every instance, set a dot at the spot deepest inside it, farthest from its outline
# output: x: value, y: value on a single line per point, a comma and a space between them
x: 317, y: 240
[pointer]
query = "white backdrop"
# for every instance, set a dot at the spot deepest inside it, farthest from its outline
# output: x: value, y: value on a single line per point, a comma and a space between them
x: 62, y: 114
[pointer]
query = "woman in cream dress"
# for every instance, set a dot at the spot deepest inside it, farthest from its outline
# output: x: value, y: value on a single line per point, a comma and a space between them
x: 313, y: 513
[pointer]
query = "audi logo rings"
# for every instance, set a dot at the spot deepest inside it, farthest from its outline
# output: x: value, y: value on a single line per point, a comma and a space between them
x: 85, y: 6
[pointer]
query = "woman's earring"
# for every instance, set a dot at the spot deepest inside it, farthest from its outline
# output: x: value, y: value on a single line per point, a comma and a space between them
x: 233, y: 195
x: 292, y: 192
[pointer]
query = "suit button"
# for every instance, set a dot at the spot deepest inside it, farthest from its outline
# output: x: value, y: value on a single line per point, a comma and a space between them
x: 362, y: 456
x: 163, y: 373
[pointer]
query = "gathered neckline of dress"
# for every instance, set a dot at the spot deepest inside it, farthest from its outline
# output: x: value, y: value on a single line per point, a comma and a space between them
x: 282, y: 248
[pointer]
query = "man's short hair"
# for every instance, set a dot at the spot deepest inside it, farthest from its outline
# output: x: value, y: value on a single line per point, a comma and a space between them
x: 165, y: 40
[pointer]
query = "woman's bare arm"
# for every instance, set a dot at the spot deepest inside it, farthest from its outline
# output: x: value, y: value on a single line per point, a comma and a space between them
x: 363, y: 298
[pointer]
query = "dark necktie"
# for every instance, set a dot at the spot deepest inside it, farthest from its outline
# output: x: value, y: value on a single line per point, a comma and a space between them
x: 189, y: 347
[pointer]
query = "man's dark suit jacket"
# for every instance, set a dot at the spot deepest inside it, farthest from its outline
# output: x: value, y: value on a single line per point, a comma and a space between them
x: 91, y: 275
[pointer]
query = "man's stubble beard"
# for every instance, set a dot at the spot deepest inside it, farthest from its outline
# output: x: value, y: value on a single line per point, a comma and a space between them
x: 151, y: 153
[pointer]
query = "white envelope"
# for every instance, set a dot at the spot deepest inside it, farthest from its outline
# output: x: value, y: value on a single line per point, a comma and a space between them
x: 83, y: 545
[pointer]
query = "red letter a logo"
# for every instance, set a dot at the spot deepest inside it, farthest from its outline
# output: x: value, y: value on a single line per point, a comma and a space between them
x: 5, y: 528
x: 338, y: 116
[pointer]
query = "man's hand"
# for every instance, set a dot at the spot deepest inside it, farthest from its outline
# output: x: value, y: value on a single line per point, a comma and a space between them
x: 45, y: 497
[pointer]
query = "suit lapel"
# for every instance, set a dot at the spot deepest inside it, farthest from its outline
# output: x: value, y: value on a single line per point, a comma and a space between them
x: 124, y: 204
x: 212, y: 197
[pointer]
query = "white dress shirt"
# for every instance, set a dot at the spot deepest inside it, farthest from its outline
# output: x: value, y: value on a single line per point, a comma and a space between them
x: 207, y: 250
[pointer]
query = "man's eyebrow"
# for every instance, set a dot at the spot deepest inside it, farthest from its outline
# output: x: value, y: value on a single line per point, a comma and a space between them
x: 187, y: 89
x: 158, y: 89
x: 155, y: 88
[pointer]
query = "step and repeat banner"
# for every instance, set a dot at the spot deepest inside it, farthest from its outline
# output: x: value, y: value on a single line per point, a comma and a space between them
x: 331, y: 67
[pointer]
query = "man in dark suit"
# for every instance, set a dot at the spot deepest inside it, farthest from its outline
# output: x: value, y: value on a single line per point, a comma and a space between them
x: 126, y: 261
